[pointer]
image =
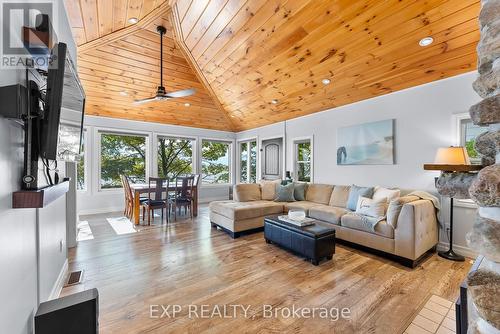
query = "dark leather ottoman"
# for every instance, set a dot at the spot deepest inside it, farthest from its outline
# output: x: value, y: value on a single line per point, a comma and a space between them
x: 314, y: 242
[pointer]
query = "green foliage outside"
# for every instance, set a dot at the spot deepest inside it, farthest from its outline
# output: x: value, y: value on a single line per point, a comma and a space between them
x: 471, y: 151
x: 175, y: 157
x: 122, y: 155
x: 243, y: 162
x: 215, y: 162
x: 80, y: 173
x: 304, y: 162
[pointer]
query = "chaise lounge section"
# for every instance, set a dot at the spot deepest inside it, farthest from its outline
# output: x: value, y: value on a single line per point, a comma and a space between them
x: 406, y: 234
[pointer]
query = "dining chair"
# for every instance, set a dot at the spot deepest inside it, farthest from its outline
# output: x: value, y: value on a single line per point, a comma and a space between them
x: 184, y: 195
x: 157, y: 198
x: 129, y: 196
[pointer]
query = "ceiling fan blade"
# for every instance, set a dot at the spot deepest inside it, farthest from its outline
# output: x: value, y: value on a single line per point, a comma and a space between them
x: 181, y: 93
x: 149, y: 99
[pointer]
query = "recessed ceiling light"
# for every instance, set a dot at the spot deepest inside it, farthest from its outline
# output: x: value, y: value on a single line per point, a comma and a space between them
x: 326, y: 81
x: 187, y: 104
x: 133, y: 20
x: 274, y: 101
x: 123, y: 93
x: 426, y: 41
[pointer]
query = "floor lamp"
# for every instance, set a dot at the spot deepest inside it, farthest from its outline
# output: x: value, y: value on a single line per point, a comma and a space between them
x: 450, y: 160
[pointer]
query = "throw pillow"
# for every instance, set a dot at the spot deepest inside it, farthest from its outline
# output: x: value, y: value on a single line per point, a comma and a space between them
x: 319, y: 193
x: 370, y: 207
x: 395, y: 207
x: 355, y: 192
x: 389, y: 194
x: 269, y: 189
x: 339, y: 197
x: 299, y: 191
x: 285, y: 193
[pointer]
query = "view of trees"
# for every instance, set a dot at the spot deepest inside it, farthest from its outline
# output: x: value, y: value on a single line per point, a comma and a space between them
x: 244, y: 156
x: 215, y: 162
x: 122, y: 154
x: 303, y: 161
x: 80, y: 167
x: 175, y: 157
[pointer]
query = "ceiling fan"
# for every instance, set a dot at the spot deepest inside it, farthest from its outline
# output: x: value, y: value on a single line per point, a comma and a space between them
x: 161, y: 93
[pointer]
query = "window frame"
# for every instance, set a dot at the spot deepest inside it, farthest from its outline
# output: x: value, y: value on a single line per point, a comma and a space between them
x: 86, y: 144
x: 230, y: 142
x: 147, y: 163
x: 295, y: 142
x: 248, y: 141
x: 156, y: 137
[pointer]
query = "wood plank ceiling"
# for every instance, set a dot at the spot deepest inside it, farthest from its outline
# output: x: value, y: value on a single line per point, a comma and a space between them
x: 119, y: 62
x: 251, y: 52
x: 245, y: 53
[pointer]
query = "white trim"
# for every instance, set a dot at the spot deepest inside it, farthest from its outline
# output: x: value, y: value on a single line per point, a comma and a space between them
x: 100, y: 210
x: 465, y: 251
x: 59, y: 283
x: 231, y: 143
x: 237, y: 159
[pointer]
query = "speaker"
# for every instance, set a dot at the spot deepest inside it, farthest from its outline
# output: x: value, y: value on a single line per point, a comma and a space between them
x: 13, y: 101
x: 76, y: 314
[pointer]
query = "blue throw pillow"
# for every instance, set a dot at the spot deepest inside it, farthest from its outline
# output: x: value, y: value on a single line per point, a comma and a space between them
x: 354, y: 194
x: 285, y: 193
x: 299, y: 191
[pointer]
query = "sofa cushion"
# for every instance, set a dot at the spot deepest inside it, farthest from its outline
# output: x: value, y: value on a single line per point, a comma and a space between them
x: 354, y: 194
x: 388, y: 194
x: 355, y: 221
x: 328, y: 214
x: 319, y: 193
x: 245, y: 210
x: 300, y: 205
x: 285, y: 193
x: 299, y: 191
x: 268, y: 189
x: 339, y: 197
x: 246, y: 192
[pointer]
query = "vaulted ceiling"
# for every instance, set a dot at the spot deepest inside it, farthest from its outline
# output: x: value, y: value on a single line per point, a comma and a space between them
x: 241, y: 55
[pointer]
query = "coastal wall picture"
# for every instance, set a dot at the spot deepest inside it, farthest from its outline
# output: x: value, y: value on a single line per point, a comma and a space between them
x: 366, y: 144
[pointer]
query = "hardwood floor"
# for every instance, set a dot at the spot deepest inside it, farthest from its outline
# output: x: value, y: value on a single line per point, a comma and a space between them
x: 189, y: 262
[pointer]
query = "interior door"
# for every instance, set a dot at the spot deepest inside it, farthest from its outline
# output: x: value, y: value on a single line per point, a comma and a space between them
x: 272, y: 159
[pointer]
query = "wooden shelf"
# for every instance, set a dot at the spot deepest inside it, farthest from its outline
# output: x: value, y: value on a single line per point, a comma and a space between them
x: 453, y: 168
x: 40, y: 198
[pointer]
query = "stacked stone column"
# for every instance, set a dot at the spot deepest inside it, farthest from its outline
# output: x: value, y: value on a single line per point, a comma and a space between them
x: 484, y: 284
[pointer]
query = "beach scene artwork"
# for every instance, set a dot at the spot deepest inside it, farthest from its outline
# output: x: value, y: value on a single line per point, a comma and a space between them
x: 366, y: 144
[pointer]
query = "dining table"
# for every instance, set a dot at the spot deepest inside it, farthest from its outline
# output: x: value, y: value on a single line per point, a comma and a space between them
x: 140, y: 188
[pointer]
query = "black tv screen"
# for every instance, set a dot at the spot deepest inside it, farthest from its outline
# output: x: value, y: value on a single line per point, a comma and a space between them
x: 53, y: 99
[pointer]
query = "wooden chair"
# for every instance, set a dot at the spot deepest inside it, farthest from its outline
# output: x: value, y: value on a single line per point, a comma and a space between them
x: 129, y: 197
x: 160, y: 200
x: 184, y: 195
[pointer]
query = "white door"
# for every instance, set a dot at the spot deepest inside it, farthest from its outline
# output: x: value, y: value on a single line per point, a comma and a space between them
x: 272, y: 155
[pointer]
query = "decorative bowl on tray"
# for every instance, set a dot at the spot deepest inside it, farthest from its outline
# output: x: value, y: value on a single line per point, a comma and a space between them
x: 297, y: 215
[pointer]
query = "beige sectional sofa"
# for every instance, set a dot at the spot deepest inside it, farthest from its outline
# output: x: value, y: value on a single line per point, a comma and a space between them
x: 407, y: 236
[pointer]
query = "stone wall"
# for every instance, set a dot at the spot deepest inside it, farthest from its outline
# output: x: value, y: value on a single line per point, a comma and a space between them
x: 484, y: 284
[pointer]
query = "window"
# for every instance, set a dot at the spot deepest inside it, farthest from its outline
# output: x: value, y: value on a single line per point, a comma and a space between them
x: 215, y: 162
x: 81, y: 183
x: 248, y: 161
x: 175, y: 157
x: 303, y: 160
x: 122, y: 154
x: 468, y: 133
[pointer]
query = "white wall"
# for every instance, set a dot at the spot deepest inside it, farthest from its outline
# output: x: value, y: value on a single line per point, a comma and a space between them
x: 424, y: 120
x: 23, y: 277
x: 94, y: 200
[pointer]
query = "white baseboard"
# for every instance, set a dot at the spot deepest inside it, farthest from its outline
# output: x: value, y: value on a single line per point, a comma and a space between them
x: 465, y: 251
x: 59, y: 284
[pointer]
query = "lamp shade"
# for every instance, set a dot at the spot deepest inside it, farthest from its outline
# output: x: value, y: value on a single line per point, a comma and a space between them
x: 452, y: 156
